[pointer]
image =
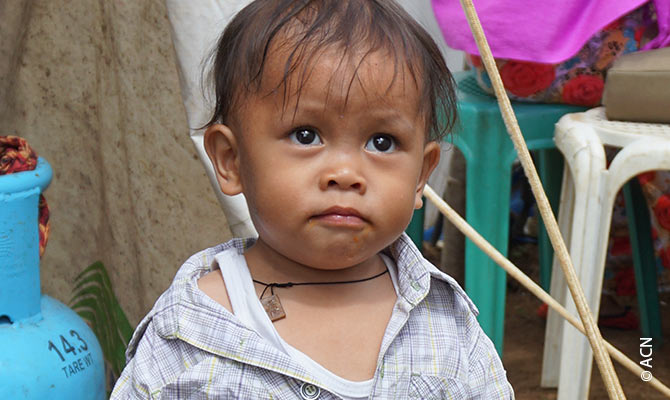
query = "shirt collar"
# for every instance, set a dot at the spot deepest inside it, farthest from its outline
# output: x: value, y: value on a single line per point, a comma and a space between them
x: 415, y: 273
x: 414, y: 280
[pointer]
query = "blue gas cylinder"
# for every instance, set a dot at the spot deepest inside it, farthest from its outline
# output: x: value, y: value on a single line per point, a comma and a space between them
x: 46, y: 350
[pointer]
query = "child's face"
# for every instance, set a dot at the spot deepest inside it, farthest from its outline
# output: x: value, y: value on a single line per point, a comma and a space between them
x: 328, y: 184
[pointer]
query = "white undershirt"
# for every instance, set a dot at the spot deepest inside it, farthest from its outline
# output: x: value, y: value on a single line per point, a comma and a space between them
x: 248, y: 309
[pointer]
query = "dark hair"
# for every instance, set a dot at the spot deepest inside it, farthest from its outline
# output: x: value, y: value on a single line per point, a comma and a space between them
x: 309, y: 26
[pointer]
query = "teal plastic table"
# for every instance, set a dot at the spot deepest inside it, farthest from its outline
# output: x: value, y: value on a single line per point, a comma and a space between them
x: 489, y: 153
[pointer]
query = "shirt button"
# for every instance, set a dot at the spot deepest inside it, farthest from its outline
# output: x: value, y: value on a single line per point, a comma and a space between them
x: 309, y: 391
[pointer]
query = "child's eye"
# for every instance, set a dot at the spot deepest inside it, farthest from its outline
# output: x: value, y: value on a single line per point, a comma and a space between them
x: 380, y: 143
x: 305, y: 137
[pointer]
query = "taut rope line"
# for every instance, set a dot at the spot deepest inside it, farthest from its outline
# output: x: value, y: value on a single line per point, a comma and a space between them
x: 592, y: 332
x: 528, y: 283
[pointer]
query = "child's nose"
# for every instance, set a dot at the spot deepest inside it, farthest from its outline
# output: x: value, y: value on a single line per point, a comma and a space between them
x: 344, y: 178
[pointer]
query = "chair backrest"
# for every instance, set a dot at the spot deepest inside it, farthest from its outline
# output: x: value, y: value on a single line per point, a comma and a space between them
x: 196, y: 26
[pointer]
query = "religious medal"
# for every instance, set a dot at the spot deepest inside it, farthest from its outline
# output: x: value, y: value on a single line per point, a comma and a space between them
x: 273, y: 307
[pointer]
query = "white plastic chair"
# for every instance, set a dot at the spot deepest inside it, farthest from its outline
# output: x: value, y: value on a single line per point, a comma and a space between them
x: 196, y: 26
x: 587, y: 199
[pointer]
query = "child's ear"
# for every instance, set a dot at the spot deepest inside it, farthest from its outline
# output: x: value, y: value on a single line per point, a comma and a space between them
x: 221, y: 147
x: 431, y: 156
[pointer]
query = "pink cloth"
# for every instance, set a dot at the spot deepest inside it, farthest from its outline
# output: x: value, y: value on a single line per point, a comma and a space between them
x: 546, y: 31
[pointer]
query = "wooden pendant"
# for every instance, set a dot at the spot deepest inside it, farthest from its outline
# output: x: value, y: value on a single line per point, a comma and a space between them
x: 273, y: 307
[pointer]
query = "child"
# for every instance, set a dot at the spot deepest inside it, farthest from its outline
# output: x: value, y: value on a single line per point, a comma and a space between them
x: 327, y: 120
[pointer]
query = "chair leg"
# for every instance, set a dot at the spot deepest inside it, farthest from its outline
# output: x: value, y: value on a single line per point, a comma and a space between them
x: 643, y: 261
x: 559, y: 291
x: 586, y: 160
x: 487, y: 210
x: 577, y: 356
x: 551, y: 172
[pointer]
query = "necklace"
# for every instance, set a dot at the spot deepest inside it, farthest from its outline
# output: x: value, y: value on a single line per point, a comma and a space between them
x: 273, y: 306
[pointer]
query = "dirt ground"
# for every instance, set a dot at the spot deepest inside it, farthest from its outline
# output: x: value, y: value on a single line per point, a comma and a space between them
x: 524, y: 338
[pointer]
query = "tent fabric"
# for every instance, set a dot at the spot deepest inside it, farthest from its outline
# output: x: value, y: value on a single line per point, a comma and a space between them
x: 93, y: 88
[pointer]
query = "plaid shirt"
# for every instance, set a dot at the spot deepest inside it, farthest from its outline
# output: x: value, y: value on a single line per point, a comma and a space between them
x: 190, y: 347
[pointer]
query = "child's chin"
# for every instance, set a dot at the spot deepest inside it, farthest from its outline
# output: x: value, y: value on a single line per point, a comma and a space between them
x: 338, y: 256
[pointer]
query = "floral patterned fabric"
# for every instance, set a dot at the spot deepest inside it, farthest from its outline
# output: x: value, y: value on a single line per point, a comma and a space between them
x: 656, y: 189
x: 580, y: 80
x: 17, y: 156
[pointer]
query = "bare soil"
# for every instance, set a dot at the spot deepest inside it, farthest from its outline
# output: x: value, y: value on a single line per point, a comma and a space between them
x: 524, y: 338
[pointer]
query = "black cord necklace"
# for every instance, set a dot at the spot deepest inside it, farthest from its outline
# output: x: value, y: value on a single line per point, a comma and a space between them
x: 273, y: 306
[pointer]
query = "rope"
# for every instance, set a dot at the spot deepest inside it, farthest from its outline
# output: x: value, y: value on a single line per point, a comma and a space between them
x: 528, y: 283
x: 592, y: 332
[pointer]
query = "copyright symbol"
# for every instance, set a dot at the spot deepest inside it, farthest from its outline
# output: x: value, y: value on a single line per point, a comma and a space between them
x: 645, y: 376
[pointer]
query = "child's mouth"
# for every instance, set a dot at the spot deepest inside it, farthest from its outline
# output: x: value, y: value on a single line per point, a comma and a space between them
x: 344, y: 217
